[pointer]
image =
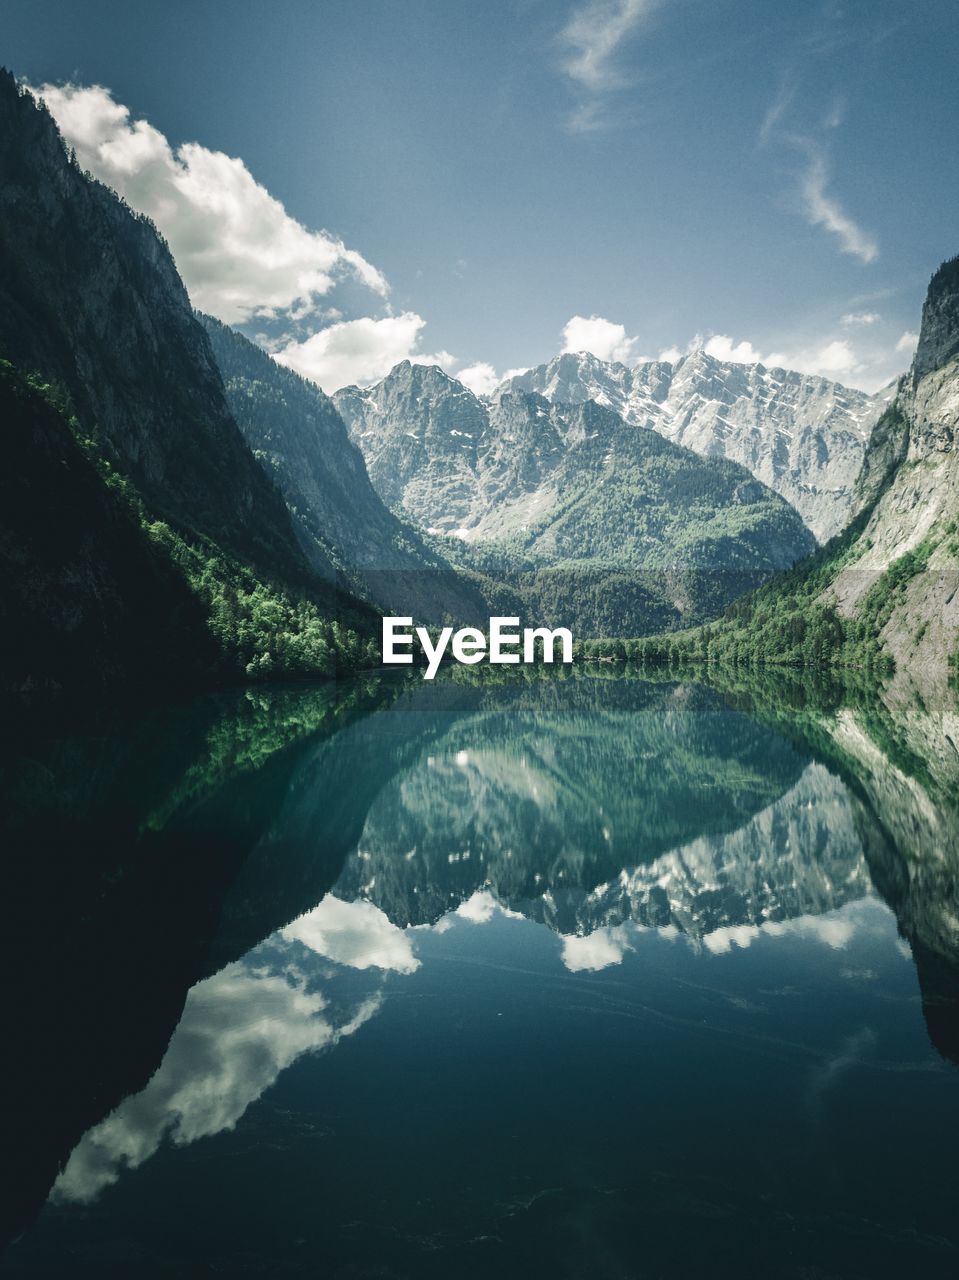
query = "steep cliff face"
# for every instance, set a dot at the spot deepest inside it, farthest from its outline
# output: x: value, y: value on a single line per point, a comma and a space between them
x: 561, y: 480
x: 100, y: 606
x: 803, y: 436
x: 90, y: 297
x: 939, y: 332
x: 910, y: 492
x: 884, y: 594
x: 343, y: 526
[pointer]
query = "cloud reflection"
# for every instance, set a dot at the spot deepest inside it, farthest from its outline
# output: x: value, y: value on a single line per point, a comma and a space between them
x: 601, y: 948
x: 238, y: 1031
x: 356, y: 934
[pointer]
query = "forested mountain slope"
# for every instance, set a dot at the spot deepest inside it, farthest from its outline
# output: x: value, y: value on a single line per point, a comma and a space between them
x: 96, y: 323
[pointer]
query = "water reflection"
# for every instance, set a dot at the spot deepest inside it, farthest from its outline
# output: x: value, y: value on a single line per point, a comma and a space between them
x: 238, y: 1031
x: 353, y: 852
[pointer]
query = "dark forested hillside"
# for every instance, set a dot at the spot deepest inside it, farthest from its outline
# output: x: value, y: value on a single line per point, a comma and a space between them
x: 176, y: 558
x: 90, y: 297
x: 97, y: 595
x: 103, y: 604
x: 345, y: 529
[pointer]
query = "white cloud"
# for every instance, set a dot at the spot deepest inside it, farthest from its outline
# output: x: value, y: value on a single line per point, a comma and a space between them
x: 835, y: 930
x: 671, y: 354
x: 777, y: 108
x: 603, y: 338
x: 238, y: 250
x: 482, y: 379
x: 908, y: 342
x: 479, y: 907
x: 830, y: 358
x: 724, y: 348
x: 860, y: 318
x: 824, y: 210
x: 359, y: 351
x: 593, y: 38
x: 356, y: 934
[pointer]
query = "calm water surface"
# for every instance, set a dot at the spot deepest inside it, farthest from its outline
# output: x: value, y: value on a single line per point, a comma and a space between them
x: 579, y: 978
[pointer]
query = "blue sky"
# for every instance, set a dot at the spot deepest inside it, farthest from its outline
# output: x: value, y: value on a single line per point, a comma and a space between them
x: 461, y: 181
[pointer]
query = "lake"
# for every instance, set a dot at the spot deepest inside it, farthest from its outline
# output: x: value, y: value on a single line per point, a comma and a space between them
x: 584, y: 976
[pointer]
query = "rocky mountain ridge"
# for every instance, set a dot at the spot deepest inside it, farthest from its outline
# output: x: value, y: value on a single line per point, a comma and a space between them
x: 343, y: 526
x: 802, y: 435
x: 90, y: 297
x: 522, y: 482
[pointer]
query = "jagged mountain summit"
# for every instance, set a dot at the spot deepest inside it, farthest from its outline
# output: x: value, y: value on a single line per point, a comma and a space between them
x: 527, y: 484
x: 802, y: 435
x: 342, y: 524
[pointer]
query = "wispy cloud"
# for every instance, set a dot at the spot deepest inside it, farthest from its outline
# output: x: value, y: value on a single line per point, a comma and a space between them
x: 824, y: 210
x: 836, y: 114
x: 852, y: 318
x: 819, y: 205
x: 777, y: 108
x: 593, y: 40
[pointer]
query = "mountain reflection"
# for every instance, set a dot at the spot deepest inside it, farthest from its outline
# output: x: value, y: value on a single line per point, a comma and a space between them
x: 326, y: 836
x: 428, y: 843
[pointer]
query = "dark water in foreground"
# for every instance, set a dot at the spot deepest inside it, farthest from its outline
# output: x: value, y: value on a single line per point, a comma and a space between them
x: 580, y: 978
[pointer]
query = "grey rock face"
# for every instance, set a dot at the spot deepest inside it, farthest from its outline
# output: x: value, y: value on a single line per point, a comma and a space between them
x: 421, y: 433
x: 343, y: 525
x: 939, y: 332
x: 803, y: 436
x: 565, y: 481
x: 90, y: 296
x: 910, y: 490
